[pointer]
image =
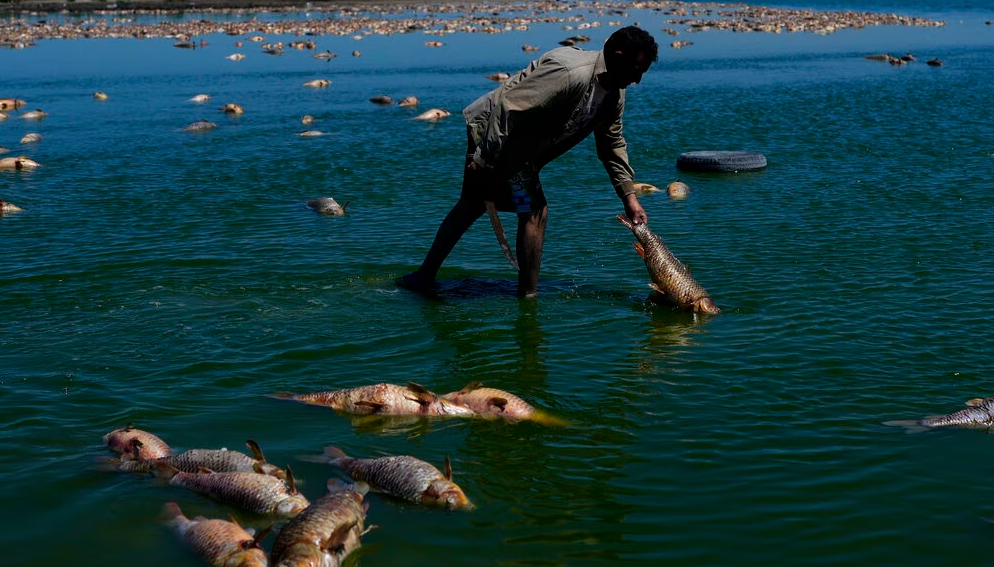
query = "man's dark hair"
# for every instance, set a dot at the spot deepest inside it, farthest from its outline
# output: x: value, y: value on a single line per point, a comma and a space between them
x: 631, y: 40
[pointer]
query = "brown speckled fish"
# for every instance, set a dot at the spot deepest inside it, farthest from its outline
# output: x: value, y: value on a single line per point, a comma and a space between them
x: 979, y: 414
x: 122, y: 441
x: 220, y: 542
x: 405, y: 477
x: 491, y: 402
x: 326, y: 532
x: 193, y: 460
x: 258, y: 493
x: 670, y: 277
x: 383, y: 399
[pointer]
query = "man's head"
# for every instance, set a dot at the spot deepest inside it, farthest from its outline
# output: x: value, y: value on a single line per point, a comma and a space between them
x: 628, y: 53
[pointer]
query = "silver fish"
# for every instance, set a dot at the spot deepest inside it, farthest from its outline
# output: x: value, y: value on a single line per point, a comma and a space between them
x: 327, y: 206
x: 220, y: 542
x: 383, y: 399
x: 670, y: 277
x: 326, y: 532
x: 405, y: 477
x: 200, y: 126
x: 215, y: 460
x: 258, y: 493
x: 979, y: 414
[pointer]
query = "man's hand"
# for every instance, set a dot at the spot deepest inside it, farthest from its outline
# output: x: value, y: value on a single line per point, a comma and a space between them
x: 634, y: 210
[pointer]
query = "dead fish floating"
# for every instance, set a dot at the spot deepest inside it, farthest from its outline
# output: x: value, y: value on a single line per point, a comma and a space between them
x: 194, y: 460
x: 326, y: 532
x: 31, y: 138
x: 200, y: 126
x: 645, y: 188
x: 678, y: 190
x: 200, y: 98
x: 408, y: 101
x: 979, y: 414
x: 220, y: 542
x: 122, y: 441
x: 100, y: 95
x: 317, y: 83
x: 324, y: 56
x: 250, y: 491
x: 306, y: 119
x: 236, y: 56
x: 432, y: 115
x: 232, y: 108
x: 327, y: 206
x: 7, y: 208
x: 491, y: 402
x: 382, y: 100
x: 311, y: 133
x: 36, y: 114
x: 671, y: 279
x: 18, y: 163
x: 11, y: 103
x: 498, y: 77
x: 383, y: 399
x: 405, y: 477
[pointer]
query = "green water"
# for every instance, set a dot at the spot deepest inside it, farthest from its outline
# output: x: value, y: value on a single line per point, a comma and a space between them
x: 173, y: 280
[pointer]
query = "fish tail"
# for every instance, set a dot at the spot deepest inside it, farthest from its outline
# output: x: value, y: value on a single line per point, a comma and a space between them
x: 547, y: 419
x: 499, y: 232
x: 333, y: 452
x: 282, y: 396
x: 910, y: 425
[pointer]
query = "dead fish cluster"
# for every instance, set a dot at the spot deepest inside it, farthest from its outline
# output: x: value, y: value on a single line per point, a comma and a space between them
x: 414, y: 400
x: 902, y: 60
x: 320, y: 532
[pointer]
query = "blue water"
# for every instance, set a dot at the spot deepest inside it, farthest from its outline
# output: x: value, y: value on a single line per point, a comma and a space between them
x: 173, y: 280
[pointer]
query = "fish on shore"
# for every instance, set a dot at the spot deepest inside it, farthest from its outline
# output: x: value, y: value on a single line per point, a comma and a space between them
x: 383, y: 399
x: 491, y: 402
x: 122, y: 441
x: 405, y: 477
x: 220, y: 542
x: 194, y: 460
x: 670, y: 277
x: 326, y: 532
x: 979, y: 414
x: 327, y: 205
x: 257, y: 493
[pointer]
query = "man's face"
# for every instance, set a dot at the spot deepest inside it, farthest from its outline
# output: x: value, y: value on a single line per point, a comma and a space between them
x: 626, y: 70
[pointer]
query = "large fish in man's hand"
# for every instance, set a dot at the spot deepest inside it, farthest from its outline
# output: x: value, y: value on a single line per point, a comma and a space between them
x: 670, y: 277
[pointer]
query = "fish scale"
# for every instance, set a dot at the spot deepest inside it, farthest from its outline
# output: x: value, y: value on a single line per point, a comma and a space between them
x: 220, y: 542
x: 979, y: 414
x: 403, y: 476
x: 193, y: 460
x: 323, y: 534
x: 670, y: 276
x: 384, y: 399
x: 259, y: 493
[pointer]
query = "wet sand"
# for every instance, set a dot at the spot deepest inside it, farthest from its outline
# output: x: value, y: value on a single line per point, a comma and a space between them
x: 115, y: 20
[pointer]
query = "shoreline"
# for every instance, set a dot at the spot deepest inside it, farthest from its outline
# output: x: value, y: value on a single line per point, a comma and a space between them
x: 436, y: 17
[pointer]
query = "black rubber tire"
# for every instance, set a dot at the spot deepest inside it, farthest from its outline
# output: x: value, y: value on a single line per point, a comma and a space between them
x: 721, y: 162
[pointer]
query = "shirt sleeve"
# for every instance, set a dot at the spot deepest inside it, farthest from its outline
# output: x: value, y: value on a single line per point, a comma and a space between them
x: 613, y: 152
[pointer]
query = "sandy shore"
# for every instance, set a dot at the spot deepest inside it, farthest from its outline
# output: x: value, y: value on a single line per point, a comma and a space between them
x: 358, y: 17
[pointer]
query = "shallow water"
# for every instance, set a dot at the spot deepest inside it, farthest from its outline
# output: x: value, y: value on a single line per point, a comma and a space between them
x: 174, y: 280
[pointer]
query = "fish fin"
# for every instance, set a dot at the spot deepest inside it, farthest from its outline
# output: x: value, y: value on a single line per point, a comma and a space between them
x: 256, y: 541
x: 164, y: 470
x: 424, y: 396
x: 333, y: 452
x: 375, y: 406
x: 345, y: 205
x: 475, y: 385
x: 335, y: 542
x: 282, y: 395
x: 657, y: 289
x: 448, y: 468
x: 498, y: 402
x: 135, y: 451
x: 256, y: 450
x: 499, y: 233
x: 171, y: 512
x: 974, y: 402
x: 130, y: 427
x: 204, y: 470
x: 910, y: 425
x: 290, y: 481
x: 368, y: 529
x: 640, y: 249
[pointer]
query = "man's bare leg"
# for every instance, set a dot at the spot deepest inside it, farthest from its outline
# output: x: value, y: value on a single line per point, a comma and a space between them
x: 462, y: 216
x: 531, y: 238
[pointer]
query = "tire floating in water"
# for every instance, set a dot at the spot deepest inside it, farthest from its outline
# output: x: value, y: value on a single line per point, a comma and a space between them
x: 721, y: 162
